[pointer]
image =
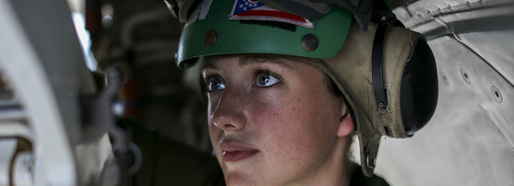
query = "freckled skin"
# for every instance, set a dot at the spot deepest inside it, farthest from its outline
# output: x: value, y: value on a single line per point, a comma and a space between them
x: 294, y: 124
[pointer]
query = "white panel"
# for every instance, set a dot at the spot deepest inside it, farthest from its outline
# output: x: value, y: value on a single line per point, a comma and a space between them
x: 7, y: 146
x: 468, y: 141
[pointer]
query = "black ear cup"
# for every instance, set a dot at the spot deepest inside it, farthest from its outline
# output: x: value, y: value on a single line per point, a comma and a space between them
x: 419, y: 89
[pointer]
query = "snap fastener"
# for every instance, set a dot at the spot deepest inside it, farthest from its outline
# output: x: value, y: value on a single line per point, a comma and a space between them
x: 309, y: 42
x: 210, y: 38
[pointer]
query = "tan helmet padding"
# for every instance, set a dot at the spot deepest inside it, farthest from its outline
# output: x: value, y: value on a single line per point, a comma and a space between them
x: 352, y: 72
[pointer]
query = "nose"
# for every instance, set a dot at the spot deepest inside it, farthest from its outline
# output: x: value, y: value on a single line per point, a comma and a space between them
x: 227, y: 112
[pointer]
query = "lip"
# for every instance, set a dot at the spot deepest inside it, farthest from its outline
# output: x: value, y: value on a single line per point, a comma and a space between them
x: 235, y: 151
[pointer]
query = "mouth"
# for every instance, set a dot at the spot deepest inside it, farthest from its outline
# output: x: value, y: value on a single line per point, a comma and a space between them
x: 233, y: 151
x: 233, y: 156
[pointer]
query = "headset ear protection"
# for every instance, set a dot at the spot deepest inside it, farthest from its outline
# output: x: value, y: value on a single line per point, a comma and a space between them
x: 419, y: 91
x: 419, y: 87
x: 415, y: 92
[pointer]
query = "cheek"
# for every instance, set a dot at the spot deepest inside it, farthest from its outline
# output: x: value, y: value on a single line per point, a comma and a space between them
x: 294, y: 130
x: 214, y: 132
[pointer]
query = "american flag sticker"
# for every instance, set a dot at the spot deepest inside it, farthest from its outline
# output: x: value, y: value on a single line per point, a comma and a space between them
x: 255, y: 10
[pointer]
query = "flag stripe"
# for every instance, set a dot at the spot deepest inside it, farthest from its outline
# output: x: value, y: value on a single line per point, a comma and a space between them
x: 273, y: 14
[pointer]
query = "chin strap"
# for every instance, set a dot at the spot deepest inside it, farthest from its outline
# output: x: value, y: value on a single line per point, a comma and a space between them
x: 369, y: 146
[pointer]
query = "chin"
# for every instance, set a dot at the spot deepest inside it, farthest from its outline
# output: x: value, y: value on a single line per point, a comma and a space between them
x: 239, y: 179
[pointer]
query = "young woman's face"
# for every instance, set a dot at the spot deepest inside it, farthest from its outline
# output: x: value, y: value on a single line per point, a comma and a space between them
x: 272, y: 121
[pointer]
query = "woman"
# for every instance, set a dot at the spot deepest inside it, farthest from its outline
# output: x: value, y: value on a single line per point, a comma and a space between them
x: 275, y: 121
x: 285, y: 93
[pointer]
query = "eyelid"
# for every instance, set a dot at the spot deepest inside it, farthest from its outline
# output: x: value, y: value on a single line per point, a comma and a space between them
x: 257, y: 72
x: 208, y: 77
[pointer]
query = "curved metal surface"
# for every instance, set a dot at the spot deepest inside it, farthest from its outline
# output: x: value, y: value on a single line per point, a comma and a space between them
x: 15, y: 59
x: 40, y: 57
x: 470, y: 139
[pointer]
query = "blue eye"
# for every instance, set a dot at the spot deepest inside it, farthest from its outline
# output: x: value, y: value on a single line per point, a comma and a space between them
x: 265, y: 80
x: 215, y: 84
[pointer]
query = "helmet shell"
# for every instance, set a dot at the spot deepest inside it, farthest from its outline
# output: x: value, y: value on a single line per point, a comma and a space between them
x: 217, y: 35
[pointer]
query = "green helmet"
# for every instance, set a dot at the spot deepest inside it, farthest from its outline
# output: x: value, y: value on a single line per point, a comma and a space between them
x: 216, y: 34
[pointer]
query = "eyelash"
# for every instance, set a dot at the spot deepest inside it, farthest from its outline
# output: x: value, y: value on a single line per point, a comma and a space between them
x: 256, y: 74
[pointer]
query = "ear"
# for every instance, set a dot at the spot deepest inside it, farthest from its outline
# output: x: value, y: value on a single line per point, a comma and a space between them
x: 346, y: 125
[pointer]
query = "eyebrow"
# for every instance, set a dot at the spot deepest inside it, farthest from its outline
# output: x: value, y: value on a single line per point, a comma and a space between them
x: 208, y: 62
x: 209, y: 65
x: 246, y: 60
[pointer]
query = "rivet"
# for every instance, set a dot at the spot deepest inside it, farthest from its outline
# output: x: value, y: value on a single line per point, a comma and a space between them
x: 210, y: 38
x: 381, y: 105
x: 445, y: 80
x: 309, y: 42
x: 497, y: 94
x: 465, y: 76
